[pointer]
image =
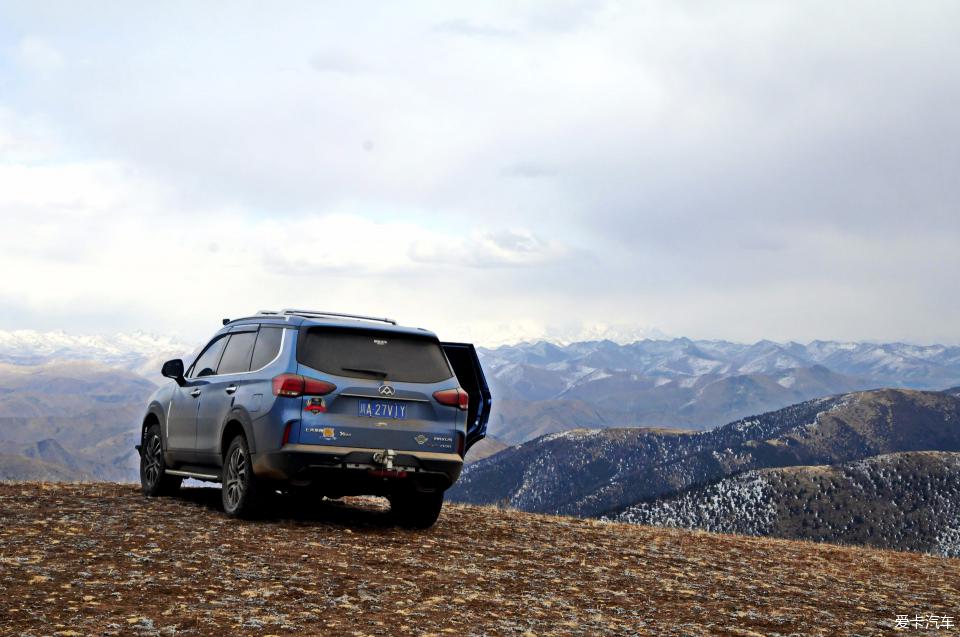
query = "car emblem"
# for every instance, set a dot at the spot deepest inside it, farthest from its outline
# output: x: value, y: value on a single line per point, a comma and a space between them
x: 421, y: 439
x: 387, y: 390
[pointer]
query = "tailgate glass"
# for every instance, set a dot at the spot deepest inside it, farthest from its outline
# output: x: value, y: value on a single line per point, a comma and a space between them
x: 373, y: 354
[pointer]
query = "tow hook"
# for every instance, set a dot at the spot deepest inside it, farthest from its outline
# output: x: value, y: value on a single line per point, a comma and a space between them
x: 385, y: 458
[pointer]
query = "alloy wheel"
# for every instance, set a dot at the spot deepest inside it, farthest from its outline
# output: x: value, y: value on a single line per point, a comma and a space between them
x: 153, y: 461
x: 236, y: 475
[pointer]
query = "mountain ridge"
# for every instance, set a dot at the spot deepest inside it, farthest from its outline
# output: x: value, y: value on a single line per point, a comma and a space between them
x: 591, y: 472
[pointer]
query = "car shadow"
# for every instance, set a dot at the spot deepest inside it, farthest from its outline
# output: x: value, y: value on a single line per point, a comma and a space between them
x: 276, y: 508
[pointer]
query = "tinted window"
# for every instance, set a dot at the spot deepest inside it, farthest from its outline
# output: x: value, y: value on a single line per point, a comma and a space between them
x: 206, y: 364
x: 373, y: 354
x: 267, y: 347
x: 236, y: 358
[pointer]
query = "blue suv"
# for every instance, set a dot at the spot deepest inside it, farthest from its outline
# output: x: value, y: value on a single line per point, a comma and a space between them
x: 334, y: 404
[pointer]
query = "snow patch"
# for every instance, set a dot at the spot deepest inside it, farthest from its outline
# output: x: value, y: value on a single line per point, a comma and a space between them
x: 787, y: 381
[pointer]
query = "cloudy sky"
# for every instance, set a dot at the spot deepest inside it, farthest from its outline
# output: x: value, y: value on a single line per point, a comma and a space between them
x: 496, y: 172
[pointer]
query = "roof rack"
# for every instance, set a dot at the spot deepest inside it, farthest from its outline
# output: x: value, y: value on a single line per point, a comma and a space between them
x: 316, y: 314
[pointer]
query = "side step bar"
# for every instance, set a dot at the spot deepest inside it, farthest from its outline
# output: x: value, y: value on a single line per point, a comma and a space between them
x: 193, y: 474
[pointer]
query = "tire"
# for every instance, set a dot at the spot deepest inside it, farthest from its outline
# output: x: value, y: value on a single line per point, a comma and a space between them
x: 154, y: 480
x: 416, y: 509
x: 241, y: 497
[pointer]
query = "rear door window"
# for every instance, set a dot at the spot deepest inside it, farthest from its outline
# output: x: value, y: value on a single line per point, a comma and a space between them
x: 267, y: 347
x: 236, y: 357
x: 373, y: 354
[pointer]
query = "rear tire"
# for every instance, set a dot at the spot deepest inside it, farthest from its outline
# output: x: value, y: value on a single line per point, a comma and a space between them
x: 416, y: 509
x: 154, y: 480
x: 240, y: 489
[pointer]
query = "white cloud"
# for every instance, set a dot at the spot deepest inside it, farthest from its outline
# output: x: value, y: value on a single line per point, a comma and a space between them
x: 98, y: 244
x: 742, y: 170
x: 24, y: 139
x: 338, y: 61
x: 37, y: 54
x: 507, y: 247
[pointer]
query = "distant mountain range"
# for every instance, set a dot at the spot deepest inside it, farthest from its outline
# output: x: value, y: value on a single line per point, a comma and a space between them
x: 636, y: 474
x: 138, y: 352
x: 57, y: 386
x: 80, y: 416
x: 542, y: 388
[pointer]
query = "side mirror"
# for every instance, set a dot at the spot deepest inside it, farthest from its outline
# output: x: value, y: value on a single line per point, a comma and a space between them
x: 173, y: 369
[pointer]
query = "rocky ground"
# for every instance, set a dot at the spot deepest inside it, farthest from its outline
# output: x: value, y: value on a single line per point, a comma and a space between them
x: 100, y: 559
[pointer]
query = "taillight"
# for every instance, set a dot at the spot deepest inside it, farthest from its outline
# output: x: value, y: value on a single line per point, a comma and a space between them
x: 453, y: 397
x: 314, y: 387
x: 286, y: 434
x: 288, y: 385
x: 294, y: 385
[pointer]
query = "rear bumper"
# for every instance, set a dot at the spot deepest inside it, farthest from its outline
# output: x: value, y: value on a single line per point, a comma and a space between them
x: 348, y: 469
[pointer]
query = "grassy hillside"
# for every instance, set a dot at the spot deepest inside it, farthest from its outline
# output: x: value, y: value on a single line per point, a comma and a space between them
x: 17, y: 467
x: 905, y: 500
x: 101, y: 559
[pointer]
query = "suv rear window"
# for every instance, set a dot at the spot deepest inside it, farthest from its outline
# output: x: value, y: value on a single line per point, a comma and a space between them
x: 405, y: 358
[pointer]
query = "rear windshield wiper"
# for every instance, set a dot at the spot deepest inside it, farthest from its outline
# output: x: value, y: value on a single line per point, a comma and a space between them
x: 372, y: 372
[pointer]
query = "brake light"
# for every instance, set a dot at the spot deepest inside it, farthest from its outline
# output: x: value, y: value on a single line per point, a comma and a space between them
x: 453, y: 397
x: 295, y: 385
x: 286, y: 434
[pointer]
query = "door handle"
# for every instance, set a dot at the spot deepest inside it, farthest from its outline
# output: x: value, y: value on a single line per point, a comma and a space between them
x: 231, y: 389
x: 195, y: 393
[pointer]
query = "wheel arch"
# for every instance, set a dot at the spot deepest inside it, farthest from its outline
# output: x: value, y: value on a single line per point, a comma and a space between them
x: 237, y: 422
x: 154, y: 416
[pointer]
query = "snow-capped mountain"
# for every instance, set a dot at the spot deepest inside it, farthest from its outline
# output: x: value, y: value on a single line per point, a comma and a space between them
x: 544, y: 387
x: 135, y: 351
x: 897, y: 364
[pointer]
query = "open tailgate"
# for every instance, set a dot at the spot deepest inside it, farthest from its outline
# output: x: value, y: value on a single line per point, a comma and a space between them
x: 466, y: 365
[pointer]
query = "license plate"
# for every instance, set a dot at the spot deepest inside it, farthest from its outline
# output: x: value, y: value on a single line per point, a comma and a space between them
x: 378, y: 409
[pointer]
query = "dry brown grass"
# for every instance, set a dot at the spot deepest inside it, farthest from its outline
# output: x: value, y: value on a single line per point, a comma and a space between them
x: 101, y: 559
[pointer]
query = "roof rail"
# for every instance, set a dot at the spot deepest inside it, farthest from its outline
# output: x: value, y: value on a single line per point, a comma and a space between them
x: 316, y: 314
